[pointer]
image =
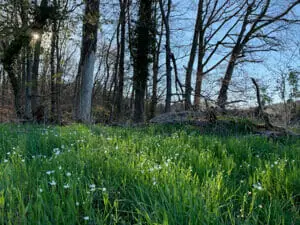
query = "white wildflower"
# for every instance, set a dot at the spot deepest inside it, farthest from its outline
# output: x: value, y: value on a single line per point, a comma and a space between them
x: 52, y: 183
x: 68, y: 174
x: 258, y: 186
x: 49, y: 172
x: 86, y: 218
x: 57, y: 153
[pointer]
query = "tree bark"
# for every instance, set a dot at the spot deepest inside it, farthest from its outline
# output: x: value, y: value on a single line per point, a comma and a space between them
x: 53, y: 115
x: 87, y: 60
x: 201, y: 52
x: 189, y: 69
x: 59, y: 80
x: 260, y: 107
x: 28, y: 108
x: 35, y: 73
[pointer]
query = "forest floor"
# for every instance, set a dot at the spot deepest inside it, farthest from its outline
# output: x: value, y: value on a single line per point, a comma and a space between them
x: 158, y: 174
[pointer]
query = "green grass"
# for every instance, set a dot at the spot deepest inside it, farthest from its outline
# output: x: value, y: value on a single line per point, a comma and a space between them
x: 147, y: 175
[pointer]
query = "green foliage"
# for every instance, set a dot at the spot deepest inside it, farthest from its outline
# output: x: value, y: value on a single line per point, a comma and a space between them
x: 147, y: 175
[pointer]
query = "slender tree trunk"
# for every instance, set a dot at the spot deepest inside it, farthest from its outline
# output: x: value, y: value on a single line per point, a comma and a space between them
x: 114, y: 83
x: 59, y: 80
x: 28, y: 109
x: 53, y: 115
x: 87, y: 60
x: 201, y: 51
x: 260, y: 107
x: 189, y: 69
x: 166, y: 17
x: 4, y: 87
x: 155, y: 68
x: 35, y: 72
x: 22, y: 75
x: 119, y: 101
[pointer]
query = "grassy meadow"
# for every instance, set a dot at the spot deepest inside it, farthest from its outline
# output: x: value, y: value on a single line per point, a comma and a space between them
x: 146, y: 175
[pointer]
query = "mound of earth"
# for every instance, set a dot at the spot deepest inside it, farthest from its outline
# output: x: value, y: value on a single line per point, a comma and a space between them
x: 179, y: 117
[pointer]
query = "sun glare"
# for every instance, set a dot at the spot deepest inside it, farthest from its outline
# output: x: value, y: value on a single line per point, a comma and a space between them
x: 35, y: 36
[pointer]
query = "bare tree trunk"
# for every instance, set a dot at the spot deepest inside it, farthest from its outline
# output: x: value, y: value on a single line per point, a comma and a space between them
x: 87, y: 60
x: 114, y: 84
x: 177, y: 80
x: 155, y: 68
x: 28, y: 109
x: 59, y: 80
x: 260, y: 107
x: 189, y: 69
x: 201, y: 53
x: 119, y: 99
x: 4, y: 87
x: 22, y: 75
x: 35, y: 72
x: 53, y: 115
x: 166, y: 17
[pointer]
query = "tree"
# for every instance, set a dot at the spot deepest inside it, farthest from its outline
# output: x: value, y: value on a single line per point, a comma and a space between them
x: 21, y: 39
x: 214, y: 22
x: 155, y: 52
x: 87, y: 60
x: 122, y: 22
x: 258, y: 17
x: 165, y: 19
x: 141, y: 59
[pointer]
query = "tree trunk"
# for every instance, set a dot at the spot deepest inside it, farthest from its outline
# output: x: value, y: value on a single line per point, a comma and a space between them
x: 53, y: 116
x: 189, y: 69
x: 28, y: 109
x: 16, y: 88
x: 119, y: 100
x: 201, y: 53
x: 155, y: 69
x: 222, y: 98
x: 165, y: 17
x: 87, y: 60
x: 260, y: 107
x: 141, y: 60
x: 35, y: 72
x: 4, y: 87
x: 59, y: 80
